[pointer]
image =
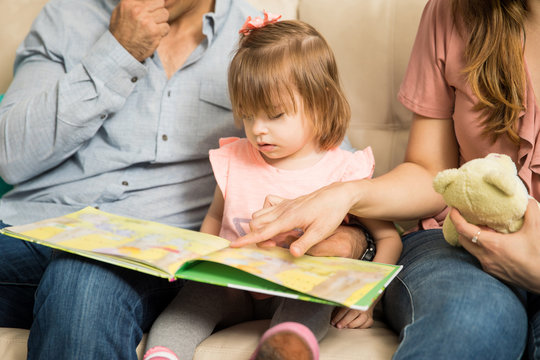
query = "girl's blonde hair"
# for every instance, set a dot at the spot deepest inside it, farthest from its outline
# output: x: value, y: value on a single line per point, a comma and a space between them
x: 494, y: 60
x: 279, y: 60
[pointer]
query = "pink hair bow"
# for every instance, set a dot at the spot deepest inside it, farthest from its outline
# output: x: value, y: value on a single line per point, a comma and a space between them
x: 257, y: 22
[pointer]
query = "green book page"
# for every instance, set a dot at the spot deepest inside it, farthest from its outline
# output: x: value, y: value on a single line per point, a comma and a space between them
x: 352, y: 283
x: 223, y: 275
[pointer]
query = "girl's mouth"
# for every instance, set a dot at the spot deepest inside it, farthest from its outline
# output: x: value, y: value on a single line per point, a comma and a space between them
x: 265, y: 147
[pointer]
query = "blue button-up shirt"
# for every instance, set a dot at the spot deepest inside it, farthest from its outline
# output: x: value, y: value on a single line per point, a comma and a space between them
x: 84, y: 123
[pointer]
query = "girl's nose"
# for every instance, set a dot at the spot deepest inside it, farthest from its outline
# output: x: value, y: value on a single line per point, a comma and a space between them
x: 259, y: 127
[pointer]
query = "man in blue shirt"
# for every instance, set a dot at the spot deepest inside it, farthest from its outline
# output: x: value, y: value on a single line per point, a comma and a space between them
x: 114, y: 104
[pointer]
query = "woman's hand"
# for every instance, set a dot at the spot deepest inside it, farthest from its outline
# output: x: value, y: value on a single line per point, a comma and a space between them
x: 317, y: 214
x: 515, y: 257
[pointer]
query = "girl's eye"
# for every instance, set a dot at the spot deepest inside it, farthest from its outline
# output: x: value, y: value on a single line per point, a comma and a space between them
x: 277, y: 116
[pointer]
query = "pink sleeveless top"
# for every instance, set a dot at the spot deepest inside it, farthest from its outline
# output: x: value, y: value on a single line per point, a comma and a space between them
x: 245, y: 179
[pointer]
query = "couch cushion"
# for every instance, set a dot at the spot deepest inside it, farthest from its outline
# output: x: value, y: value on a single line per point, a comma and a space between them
x: 237, y: 342
x: 378, y: 342
x: 19, y: 15
x: 375, y: 35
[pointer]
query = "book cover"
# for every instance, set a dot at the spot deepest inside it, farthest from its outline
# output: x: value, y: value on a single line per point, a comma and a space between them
x: 175, y: 253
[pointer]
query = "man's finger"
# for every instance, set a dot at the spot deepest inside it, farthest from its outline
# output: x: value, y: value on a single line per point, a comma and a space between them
x: 160, y: 15
x: 153, y: 5
x: 164, y: 29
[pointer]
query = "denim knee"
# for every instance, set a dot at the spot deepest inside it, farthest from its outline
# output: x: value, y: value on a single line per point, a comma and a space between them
x: 80, y: 299
x: 444, y: 305
x: 533, y: 307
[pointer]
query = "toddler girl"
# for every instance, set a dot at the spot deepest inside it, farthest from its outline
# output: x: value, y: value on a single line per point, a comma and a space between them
x: 284, y: 88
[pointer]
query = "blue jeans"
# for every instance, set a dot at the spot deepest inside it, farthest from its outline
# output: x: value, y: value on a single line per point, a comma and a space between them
x: 444, y: 306
x: 533, y: 306
x: 76, y: 308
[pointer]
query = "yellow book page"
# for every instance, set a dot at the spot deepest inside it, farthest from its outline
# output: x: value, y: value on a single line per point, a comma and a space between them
x: 163, y: 246
x: 338, y: 279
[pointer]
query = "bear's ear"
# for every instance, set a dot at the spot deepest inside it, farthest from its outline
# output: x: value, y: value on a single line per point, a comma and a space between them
x: 504, y: 162
x: 501, y: 180
x: 443, y: 179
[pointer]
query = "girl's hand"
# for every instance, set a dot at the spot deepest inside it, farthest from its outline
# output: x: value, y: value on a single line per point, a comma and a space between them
x: 317, y: 214
x: 515, y: 257
x: 345, y: 318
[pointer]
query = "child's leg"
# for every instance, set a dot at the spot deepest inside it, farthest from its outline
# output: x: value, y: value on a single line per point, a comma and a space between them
x: 313, y: 315
x: 192, y: 316
x: 295, y: 330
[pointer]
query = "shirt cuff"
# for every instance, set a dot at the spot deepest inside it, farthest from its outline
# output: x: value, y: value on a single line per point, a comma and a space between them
x: 112, y: 65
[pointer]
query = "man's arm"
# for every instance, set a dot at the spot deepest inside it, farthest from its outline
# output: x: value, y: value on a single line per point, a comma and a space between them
x: 51, y: 109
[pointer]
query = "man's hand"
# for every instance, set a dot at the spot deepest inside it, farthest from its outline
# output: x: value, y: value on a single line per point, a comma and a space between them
x: 139, y: 26
x: 346, y: 241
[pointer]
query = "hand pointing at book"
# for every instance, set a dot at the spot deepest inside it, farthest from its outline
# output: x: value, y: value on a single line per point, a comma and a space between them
x: 322, y: 235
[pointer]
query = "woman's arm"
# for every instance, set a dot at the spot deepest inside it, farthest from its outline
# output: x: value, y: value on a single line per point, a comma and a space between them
x: 404, y: 193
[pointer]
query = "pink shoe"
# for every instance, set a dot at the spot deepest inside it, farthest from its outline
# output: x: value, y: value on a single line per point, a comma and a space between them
x: 160, y: 353
x: 290, y: 329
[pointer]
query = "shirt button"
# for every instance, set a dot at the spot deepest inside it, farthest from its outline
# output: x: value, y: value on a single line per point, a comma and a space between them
x: 125, y: 183
x: 134, y: 79
x: 96, y: 207
x: 169, y: 93
x: 164, y: 137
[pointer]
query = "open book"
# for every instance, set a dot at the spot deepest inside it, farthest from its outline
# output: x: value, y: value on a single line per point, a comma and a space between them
x: 176, y: 253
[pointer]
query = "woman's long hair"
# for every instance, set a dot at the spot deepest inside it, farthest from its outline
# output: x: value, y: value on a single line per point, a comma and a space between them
x: 494, y: 35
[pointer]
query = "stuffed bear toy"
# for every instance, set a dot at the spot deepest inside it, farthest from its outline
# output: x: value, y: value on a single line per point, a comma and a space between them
x: 486, y: 191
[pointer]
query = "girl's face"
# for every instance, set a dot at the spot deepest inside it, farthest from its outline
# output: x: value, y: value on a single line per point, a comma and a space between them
x: 284, y: 140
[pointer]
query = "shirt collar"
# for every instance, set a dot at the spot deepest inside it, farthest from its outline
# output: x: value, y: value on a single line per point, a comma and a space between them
x: 213, y: 21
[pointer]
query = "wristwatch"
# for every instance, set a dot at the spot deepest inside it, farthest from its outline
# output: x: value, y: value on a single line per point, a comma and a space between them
x: 369, y: 254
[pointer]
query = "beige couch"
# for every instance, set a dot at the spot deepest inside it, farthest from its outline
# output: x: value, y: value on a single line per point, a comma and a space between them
x: 372, y: 41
